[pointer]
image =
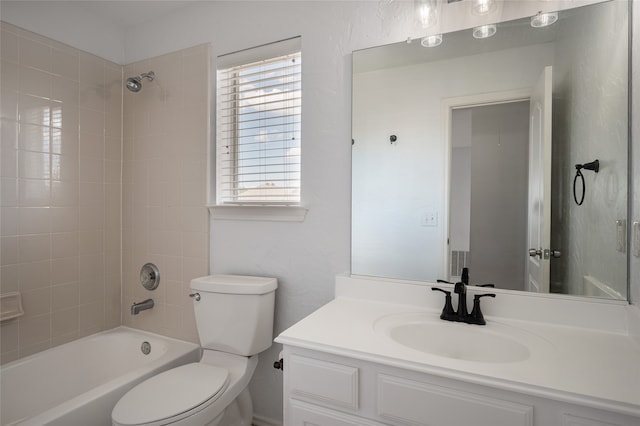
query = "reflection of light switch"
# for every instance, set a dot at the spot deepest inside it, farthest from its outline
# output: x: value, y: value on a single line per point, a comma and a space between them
x: 429, y: 218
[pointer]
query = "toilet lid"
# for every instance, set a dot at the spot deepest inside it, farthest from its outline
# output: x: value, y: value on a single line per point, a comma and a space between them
x: 171, y: 393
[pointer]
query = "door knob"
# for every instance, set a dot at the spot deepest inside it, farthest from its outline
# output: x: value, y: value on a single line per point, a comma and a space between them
x: 546, y: 253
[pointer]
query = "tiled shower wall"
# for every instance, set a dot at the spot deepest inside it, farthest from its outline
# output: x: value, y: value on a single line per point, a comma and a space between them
x: 165, y: 220
x: 68, y: 164
x: 60, y: 195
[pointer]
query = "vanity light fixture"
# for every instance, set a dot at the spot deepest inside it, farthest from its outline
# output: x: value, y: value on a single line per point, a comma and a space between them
x: 431, y: 41
x: 483, y: 7
x: 540, y: 20
x: 484, y: 31
x: 427, y: 12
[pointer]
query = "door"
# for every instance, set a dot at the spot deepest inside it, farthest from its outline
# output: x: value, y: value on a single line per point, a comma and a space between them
x: 539, y: 204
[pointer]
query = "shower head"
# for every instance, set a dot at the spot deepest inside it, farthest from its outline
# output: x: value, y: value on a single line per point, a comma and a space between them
x: 134, y: 84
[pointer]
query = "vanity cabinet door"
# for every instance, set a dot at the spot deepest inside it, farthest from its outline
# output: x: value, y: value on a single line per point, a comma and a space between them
x: 579, y: 420
x: 331, y: 384
x: 409, y: 402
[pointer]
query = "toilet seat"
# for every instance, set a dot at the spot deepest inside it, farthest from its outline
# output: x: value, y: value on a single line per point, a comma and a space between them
x: 171, y: 394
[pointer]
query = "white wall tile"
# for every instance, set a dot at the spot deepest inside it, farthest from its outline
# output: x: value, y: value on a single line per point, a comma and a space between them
x: 35, y: 83
x: 9, y: 77
x: 35, y: 55
x: 54, y: 180
x: 163, y: 224
x: 34, y: 248
x: 64, y: 270
x: 64, y: 244
x: 34, y: 275
x: 36, y: 302
x: 9, y: 250
x: 9, y: 49
x: 34, y: 220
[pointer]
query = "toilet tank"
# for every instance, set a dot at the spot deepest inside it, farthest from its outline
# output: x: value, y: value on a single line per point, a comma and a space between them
x: 235, y: 313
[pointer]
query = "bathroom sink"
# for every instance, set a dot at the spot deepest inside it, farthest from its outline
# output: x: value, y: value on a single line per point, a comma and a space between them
x: 426, y: 333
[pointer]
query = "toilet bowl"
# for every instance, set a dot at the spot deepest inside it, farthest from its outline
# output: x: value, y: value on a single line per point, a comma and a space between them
x: 234, y: 316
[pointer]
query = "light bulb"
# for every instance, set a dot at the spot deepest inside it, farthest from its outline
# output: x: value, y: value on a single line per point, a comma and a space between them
x: 484, y: 31
x: 427, y: 12
x: 431, y: 41
x: 540, y: 19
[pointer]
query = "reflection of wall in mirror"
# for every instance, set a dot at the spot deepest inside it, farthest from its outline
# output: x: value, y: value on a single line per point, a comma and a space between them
x: 394, y: 184
x: 589, y: 51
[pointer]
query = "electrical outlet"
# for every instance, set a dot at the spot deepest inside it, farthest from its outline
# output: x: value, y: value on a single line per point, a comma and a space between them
x: 429, y: 218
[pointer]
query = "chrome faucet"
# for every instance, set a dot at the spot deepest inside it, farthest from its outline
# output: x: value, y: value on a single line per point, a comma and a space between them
x: 141, y: 306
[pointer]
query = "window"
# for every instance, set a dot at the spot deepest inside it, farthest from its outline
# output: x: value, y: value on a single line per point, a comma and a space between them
x: 258, y: 126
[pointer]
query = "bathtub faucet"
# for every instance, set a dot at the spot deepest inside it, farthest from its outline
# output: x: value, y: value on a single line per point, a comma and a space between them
x: 141, y: 306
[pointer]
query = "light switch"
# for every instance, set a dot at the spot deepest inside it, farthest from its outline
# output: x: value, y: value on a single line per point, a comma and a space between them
x: 429, y: 218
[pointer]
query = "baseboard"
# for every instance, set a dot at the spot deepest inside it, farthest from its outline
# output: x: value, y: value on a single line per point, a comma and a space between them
x: 265, y: 421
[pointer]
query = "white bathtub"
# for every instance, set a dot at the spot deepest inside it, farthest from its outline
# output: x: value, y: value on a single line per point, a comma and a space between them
x: 79, y: 383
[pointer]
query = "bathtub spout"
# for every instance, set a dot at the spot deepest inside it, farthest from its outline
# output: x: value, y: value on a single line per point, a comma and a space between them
x: 141, y: 306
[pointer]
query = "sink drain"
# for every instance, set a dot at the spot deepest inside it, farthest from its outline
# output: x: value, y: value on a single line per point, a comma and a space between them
x: 145, y: 348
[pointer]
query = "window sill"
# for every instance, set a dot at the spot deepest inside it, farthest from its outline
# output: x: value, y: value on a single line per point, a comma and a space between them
x: 259, y: 213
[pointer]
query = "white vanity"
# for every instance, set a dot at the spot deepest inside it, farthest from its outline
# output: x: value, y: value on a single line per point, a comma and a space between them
x: 378, y: 354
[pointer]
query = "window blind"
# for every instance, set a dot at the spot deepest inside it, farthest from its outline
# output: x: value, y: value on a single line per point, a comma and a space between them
x: 258, y: 131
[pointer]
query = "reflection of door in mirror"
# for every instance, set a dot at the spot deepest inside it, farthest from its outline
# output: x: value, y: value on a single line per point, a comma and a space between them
x: 539, y: 224
x: 488, y: 197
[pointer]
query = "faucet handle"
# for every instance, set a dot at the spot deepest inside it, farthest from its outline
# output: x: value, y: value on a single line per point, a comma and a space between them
x: 447, y: 312
x: 476, y: 316
x: 444, y: 282
x: 487, y: 285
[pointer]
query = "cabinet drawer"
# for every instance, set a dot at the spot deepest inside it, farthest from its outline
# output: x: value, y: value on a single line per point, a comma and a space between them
x: 323, y: 382
x: 571, y: 420
x: 303, y: 414
x: 408, y: 402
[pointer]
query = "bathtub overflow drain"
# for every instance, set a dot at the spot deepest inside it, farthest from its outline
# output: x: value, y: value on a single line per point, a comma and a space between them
x: 145, y: 348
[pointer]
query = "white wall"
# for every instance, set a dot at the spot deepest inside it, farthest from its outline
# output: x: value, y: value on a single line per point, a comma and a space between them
x: 598, y: 130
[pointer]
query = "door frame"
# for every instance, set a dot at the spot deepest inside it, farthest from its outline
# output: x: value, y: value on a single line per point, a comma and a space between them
x: 447, y: 107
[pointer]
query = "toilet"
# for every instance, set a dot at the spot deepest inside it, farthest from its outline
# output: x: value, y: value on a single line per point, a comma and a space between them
x: 234, y: 317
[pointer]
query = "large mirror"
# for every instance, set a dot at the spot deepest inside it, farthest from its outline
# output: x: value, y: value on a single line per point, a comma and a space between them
x: 480, y: 153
